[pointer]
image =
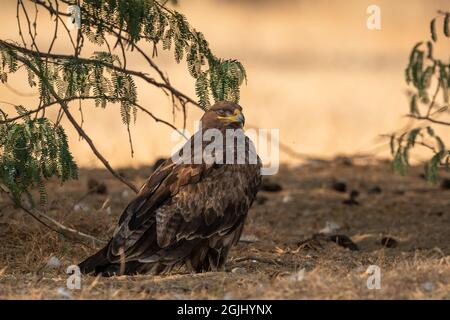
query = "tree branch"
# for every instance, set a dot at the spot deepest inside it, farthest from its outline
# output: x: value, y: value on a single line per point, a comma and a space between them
x: 427, y: 118
x: 138, y: 74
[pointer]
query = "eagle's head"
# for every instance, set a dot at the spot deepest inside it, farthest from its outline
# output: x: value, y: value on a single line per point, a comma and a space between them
x: 223, y: 114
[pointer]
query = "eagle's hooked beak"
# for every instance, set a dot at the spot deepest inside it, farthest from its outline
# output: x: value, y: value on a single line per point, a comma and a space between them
x: 238, y: 116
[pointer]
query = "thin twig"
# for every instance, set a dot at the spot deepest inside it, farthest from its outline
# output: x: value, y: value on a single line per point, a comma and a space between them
x: 259, y: 259
x: 158, y: 119
x: 55, y: 34
x: 427, y: 118
x: 19, y: 25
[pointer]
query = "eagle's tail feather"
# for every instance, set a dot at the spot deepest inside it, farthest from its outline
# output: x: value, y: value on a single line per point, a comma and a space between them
x: 95, y: 262
x: 99, y: 264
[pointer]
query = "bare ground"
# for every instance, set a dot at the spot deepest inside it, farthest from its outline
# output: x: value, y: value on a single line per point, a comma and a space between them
x: 281, y: 255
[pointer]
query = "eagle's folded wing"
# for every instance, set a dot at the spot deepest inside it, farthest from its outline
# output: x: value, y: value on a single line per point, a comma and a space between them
x: 182, y: 202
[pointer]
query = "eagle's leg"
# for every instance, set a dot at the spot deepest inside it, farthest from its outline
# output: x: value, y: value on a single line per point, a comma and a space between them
x: 130, y: 268
x: 203, y: 258
x: 194, y: 262
x: 215, y: 260
x: 207, y: 259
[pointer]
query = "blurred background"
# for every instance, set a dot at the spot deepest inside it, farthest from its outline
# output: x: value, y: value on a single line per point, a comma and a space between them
x: 315, y: 71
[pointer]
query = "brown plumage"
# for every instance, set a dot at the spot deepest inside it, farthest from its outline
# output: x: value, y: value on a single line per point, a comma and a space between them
x: 185, y: 215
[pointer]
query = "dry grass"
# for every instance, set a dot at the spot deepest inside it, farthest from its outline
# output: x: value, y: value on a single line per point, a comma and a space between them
x: 273, y: 263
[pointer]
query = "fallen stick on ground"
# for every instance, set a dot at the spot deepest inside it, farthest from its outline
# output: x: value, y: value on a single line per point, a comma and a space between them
x: 56, y: 226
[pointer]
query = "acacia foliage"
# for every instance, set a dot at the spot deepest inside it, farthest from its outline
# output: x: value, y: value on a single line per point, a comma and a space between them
x: 428, y: 78
x: 33, y: 147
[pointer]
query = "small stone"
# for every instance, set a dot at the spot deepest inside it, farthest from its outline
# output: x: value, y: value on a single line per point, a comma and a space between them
x: 108, y: 211
x: 125, y: 194
x: 287, y: 198
x: 229, y: 296
x: 354, y: 193
x: 63, y: 293
x: 330, y: 226
x: 239, y: 270
x: 351, y: 201
x: 248, y: 238
x: 388, y: 242
x: 53, y: 262
x: 297, y: 276
x: 339, y: 186
x: 428, y: 286
x: 81, y: 207
x: 343, y: 241
x: 374, y: 190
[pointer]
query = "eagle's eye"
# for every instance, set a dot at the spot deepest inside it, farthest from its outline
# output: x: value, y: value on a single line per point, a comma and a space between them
x: 223, y: 113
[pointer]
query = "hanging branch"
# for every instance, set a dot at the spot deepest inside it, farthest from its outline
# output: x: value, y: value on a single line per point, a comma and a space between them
x: 101, y: 76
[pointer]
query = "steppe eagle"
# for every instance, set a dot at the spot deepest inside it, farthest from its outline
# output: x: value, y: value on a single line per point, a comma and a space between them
x: 186, y: 214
